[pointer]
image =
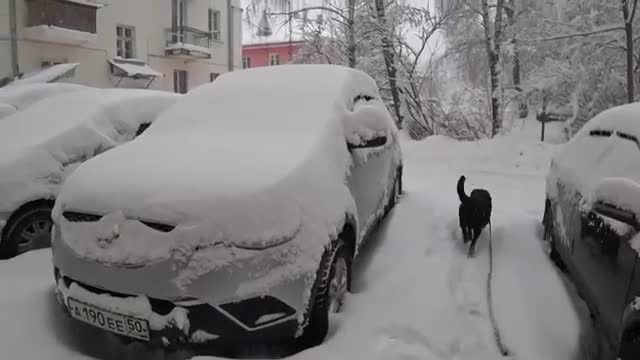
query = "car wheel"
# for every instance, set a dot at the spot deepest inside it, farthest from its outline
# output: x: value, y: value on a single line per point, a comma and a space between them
x: 333, y: 285
x: 630, y: 343
x: 549, y: 238
x: 396, y: 192
x: 28, y: 229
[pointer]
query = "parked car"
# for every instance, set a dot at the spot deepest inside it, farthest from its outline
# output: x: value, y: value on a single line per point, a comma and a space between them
x: 236, y: 217
x: 19, y: 97
x: 45, y: 142
x: 591, y: 222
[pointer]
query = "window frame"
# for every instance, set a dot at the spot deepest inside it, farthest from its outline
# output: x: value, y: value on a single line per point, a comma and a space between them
x: 273, y: 56
x: 177, y: 83
x: 122, y: 39
x: 214, y: 24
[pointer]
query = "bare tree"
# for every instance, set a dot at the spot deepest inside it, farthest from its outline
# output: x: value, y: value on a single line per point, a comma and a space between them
x: 493, y: 38
x: 389, y: 59
x: 628, y: 13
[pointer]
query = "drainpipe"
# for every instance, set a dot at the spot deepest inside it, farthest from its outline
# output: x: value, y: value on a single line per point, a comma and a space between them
x: 230, y: 9
x: 15, y: 69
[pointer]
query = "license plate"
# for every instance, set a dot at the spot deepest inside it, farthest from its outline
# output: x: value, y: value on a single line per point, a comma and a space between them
x: 108, y: 320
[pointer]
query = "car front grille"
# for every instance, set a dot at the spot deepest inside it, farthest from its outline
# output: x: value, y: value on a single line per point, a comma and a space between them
x: 80, y: 217
x: 73, y: 216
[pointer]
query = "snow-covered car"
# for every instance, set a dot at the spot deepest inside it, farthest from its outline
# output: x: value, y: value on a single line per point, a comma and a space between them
x: 591, y: 222
x: 45, y: 142
x: 19, y: 97
x: 236, y: 217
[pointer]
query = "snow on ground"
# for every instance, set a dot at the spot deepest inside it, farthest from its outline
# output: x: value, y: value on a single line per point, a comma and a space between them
x: 416, y: 294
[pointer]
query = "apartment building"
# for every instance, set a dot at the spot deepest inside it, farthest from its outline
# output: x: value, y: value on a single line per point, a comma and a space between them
x: 172, y: 45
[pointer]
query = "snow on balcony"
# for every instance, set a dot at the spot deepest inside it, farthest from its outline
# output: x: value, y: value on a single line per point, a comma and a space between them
x: 57, y: 34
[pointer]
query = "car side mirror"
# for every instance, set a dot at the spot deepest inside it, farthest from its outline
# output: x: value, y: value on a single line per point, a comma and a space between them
x: 369, y: 125
x: 619, y: 199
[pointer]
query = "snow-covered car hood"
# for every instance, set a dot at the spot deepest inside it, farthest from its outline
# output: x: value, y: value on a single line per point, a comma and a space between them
x: 42, y: 144
x: 228, y: 164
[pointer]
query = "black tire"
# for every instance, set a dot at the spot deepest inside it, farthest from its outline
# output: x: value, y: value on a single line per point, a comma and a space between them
x: 396, y: 192
x: 29, y: 228
x: 320, y: 305
x: 630, y: 343
x: 550, y: 238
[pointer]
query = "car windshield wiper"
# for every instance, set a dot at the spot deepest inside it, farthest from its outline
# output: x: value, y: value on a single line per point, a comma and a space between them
x: 600, y: 133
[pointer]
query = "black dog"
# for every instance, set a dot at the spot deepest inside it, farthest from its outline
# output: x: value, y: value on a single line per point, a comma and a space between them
x: 474, y: 213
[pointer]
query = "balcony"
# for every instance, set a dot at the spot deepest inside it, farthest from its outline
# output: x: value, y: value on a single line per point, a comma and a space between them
x: 63, y: 21
x: 185, y: 41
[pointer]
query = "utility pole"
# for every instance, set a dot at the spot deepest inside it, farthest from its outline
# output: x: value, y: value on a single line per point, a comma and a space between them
x: 230, y: 22
x: 13, y: 33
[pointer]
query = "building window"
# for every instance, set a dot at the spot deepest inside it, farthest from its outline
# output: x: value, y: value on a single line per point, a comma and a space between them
x: 246, y: 62
x: 125, y: 37
x: 214, y: 24
x: 213, y: 76
x: 180, y: 81
x: 274, y: 59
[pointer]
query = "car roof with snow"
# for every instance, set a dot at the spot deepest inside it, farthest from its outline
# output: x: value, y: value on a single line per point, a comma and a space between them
x: 52, y: 119
x: 607, y: 146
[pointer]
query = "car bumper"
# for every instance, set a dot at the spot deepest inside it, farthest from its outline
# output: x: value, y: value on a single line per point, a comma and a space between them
x: 217, y: 304
x: 204, y: 325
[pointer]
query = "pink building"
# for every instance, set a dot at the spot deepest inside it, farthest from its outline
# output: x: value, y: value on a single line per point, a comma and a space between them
x: 269, y: 53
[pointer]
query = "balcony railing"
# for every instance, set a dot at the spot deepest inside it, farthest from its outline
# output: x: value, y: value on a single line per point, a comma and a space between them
x: 189, y: 35
x: 62, y: 14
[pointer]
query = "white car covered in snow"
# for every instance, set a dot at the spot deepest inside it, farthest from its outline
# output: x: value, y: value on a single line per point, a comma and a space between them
x: 592, y: 215
x: 15, y: 98
x: 42, y: 144
x: 236, y: 217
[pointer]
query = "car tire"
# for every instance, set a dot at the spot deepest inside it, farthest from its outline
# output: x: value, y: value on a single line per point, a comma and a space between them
x: 27, y: 229
x: 630, y: 343
x: 549, y: 238
x: 396, y: 192
x: 333, y: 284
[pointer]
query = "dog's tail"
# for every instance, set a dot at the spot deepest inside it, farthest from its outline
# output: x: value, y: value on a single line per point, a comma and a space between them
x: 463, y: 197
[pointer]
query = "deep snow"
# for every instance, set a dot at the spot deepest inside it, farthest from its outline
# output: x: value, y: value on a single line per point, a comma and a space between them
x: 416, y: 295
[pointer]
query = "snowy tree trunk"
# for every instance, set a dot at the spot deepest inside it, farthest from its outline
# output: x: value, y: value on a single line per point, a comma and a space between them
x: 389, y: 59
x: 628, y: 16
x: 510, y: 12
x: 351, y: 35
x: 493, y: 36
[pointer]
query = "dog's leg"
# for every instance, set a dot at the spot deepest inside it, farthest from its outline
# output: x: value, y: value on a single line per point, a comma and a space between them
x: 476, y: 235
x: 466, y: 234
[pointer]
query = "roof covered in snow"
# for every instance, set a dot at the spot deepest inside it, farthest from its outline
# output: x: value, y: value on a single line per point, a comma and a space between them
x: 48, y: 74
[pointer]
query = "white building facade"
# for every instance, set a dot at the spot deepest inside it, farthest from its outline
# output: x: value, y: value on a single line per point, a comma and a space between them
x: 172, y: 45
